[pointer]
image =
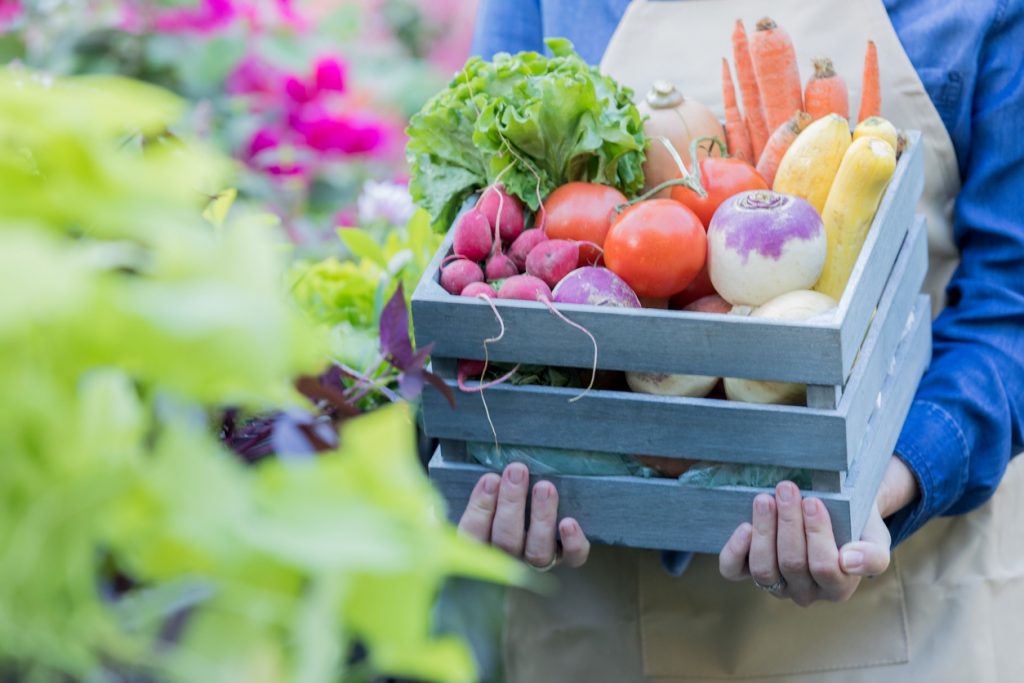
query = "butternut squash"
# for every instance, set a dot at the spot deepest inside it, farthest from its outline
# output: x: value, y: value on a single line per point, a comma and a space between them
x: 810, y: 164
x: 876, y: 126
x: 863, y: 175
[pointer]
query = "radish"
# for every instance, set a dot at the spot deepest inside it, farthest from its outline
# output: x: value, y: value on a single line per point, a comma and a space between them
x: 458, y: 274
x: 499, y: 267
x: 552, y: 260
x: 596, y: 287
x: 472, y: 236
x: 525, y: 288
x: 762, y: 244
x: 524, y: 244
x: 479, y: 289
x: 504, y: 212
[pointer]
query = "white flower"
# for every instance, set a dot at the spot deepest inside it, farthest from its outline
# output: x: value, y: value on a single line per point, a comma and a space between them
x: 385, y: 201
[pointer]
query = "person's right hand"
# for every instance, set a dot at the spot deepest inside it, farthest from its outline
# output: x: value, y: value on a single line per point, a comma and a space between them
x: 496, y: 514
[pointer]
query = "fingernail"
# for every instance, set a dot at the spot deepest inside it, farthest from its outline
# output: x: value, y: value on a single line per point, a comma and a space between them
x: 541, y: 493
x: 853, y: 559
x: 809, y: 507
x: 785, y: 492
x: 515, y: 475
x: 761, y: 505
x: 490, y: 485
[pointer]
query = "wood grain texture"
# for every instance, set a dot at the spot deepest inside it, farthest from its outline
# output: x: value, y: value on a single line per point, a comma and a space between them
x: 888, y: 231
x: 887, y: 329
x: 892, y: 405
x: 635, y: 512
x: 624, y: 422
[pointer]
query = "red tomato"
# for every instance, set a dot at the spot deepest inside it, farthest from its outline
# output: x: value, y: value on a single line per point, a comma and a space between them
x: 722, y: 178
x: 698, y: 289
x: 657, y: 246
x: 582, y: 212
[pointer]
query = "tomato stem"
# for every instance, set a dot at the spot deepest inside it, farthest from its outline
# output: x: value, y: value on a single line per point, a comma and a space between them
x: 695, y: 145
x: 687, y: 179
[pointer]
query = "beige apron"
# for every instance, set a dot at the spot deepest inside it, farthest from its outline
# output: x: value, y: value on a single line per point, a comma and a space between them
x: 952, y: 606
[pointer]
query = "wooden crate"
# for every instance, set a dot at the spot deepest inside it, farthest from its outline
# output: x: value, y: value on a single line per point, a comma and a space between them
x: 862, y: 367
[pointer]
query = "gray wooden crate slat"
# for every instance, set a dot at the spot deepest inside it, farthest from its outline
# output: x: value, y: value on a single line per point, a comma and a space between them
x: 641, y: 513
x: 894, y: 402
x: 671, y: 341
x: 646, y: 340
x: 823, y: 396
x: 895, y: 216
x: 660, y: 513
x: 880, y: 345
x: 623, y: 422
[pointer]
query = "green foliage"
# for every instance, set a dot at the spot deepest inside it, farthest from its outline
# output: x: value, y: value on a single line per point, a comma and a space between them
x: 346, y: 296
x: 132, y: 540
x: 533, y: 122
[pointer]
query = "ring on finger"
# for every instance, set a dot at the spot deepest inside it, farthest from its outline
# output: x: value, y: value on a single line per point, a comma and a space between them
x: 775, y: 588
x: 555, y: 560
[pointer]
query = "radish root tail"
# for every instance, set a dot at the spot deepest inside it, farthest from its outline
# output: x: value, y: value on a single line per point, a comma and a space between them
x: 593, y: 369
x: 483, y: 372
x: 489, y: 385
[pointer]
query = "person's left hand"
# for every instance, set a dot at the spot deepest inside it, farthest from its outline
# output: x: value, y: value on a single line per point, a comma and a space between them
x: 791, y: 549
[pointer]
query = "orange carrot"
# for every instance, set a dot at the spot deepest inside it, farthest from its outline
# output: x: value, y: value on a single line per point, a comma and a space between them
x: 826, y: 91
x: 736, y: 135
x: 778, y: 143
x: 871, y: 92
x: 778, y: 76
x: 752, y: 109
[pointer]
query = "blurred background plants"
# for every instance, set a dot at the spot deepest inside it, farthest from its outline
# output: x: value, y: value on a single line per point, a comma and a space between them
x: 209, y: 456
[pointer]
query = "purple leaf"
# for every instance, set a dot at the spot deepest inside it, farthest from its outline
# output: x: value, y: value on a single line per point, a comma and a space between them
x: 394, y: 332
x: 439, y: 384
x: 410, y: 384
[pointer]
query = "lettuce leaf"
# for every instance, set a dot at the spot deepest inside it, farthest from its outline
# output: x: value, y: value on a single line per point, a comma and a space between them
x: 529, y: 121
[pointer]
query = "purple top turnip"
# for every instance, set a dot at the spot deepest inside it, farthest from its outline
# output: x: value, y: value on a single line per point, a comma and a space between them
x: 596, y: 287
x: 762, y: 244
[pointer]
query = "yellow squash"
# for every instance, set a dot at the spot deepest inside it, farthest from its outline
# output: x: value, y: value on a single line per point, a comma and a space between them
x: 877, y: 127
x: 867, y: 167
x: 810, y: 164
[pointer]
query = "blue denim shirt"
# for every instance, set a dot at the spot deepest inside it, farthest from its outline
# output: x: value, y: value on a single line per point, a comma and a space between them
x: 967, y: 418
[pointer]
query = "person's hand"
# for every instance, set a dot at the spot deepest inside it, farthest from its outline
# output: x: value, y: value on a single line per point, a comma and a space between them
x: 790, y: 550
x: 496, y: 514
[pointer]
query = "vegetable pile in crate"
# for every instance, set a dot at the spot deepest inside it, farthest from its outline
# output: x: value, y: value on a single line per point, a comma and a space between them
x: 805, y: 299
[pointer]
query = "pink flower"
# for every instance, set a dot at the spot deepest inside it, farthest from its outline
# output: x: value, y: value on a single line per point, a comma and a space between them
x: 297, y: 91
x: 208, y: 16
x: 329, y: 74
x: 327, y: 133
x: 253, y: 76
x: 10, y: 10
x: 266, y: 151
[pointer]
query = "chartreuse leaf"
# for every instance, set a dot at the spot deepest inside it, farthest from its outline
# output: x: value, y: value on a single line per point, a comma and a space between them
x: 125, y: 321
x: 363, y: 246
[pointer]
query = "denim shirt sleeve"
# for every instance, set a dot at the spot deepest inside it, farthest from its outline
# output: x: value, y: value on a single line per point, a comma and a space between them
x: 507, y: 26
x: 966, y: 420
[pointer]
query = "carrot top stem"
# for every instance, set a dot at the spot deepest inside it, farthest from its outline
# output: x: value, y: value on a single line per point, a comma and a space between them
x: 766, y: 24
x: 823, y: 67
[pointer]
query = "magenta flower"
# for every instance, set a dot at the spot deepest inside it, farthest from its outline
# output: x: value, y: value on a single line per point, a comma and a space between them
x: 206, y: 17
x: 329, y: 74
x: 327, y: 133
x: 10, y: 10
x: 254, y: 76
